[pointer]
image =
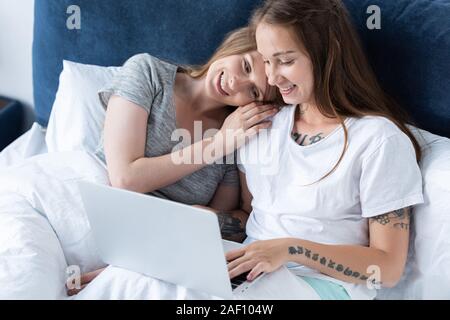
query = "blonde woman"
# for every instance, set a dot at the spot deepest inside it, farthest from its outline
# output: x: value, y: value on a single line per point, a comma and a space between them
x: 151, y: 99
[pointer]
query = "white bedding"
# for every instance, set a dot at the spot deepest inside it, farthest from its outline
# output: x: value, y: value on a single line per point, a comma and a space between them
x: 40, y: 201
x: 43, y: 229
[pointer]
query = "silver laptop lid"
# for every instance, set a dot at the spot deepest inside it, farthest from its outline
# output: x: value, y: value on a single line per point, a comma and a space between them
x: 159, y: 238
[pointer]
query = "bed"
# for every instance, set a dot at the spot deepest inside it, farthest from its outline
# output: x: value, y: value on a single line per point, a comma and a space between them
x: 39, y: 203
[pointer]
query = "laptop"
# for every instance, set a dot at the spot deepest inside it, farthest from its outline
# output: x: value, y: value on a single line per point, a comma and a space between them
x: 176, y: 243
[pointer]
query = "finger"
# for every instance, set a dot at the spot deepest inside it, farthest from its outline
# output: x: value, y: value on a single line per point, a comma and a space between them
x: 88, y: 277
x: 260, y: 117
x: 233, y: 264
x: 257, y: 270
x: 250, y: 106
x: 259, y: 109
x: 72, y: 292
x: 241, y: 268
x: 234, y: 254
x: 255, y: 129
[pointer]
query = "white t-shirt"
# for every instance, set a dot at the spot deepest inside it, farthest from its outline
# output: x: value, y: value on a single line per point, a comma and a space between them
x: 378, y: 174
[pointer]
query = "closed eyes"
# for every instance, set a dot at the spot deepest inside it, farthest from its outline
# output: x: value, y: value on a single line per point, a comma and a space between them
x: 286, y: 63
x: 281, y: 62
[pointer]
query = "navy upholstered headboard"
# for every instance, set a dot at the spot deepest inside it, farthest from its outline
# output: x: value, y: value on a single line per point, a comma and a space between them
x: 410, y: 53
x: 182, y: 31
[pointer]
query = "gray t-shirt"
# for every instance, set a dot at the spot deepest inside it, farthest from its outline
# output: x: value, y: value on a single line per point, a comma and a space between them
x: 148, y: 82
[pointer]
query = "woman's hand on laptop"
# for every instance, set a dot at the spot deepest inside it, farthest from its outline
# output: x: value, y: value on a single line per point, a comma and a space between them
x: 86, y: 278
x: 259, y: 256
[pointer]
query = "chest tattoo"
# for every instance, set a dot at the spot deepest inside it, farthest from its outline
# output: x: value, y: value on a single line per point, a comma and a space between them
x: 304, y: 139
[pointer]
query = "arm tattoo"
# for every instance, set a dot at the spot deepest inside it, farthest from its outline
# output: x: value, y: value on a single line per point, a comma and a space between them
x: 328, y: 262
x: 398, y: 219
x: 230, y: 227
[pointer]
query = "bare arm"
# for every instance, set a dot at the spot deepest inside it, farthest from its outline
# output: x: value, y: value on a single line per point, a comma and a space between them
x: 383, y: 261
x: 125, y: 140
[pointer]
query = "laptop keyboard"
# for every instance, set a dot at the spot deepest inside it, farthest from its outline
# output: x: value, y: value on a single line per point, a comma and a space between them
x: 237, y: 281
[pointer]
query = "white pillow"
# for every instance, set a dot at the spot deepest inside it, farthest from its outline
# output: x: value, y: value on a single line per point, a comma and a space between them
x: 427, y: 275
x: 77, y: 116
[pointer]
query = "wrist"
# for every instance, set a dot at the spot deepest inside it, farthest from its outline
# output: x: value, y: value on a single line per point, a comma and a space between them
x: 226, y: 141
x: 231, y: 226
x: 217, y: 143
x: 210, y: 150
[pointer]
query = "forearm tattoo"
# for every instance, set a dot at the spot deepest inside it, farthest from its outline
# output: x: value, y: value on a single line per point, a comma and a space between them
x: 398, y: 219
x: 329, y: 263
x: 230, y: 227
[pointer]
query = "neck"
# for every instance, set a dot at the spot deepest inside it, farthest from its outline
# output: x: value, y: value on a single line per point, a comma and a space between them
x: 309, y: 114
x: 192, y: 92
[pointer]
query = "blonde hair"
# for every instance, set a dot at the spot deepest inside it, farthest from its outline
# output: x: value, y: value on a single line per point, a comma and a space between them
x: 239, y: 41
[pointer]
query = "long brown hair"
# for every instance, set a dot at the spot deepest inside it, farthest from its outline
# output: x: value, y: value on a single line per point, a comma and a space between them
x: 344, y: 83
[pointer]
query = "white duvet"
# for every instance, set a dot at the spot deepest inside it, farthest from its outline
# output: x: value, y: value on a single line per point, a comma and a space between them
x: 43, y: 226
x: 44, y: 229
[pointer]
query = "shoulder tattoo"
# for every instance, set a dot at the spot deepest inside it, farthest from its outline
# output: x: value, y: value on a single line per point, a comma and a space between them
x: 398, y: 219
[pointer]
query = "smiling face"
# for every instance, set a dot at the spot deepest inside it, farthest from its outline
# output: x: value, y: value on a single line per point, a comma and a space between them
x: 287, y: 65
x: 237, y: 80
